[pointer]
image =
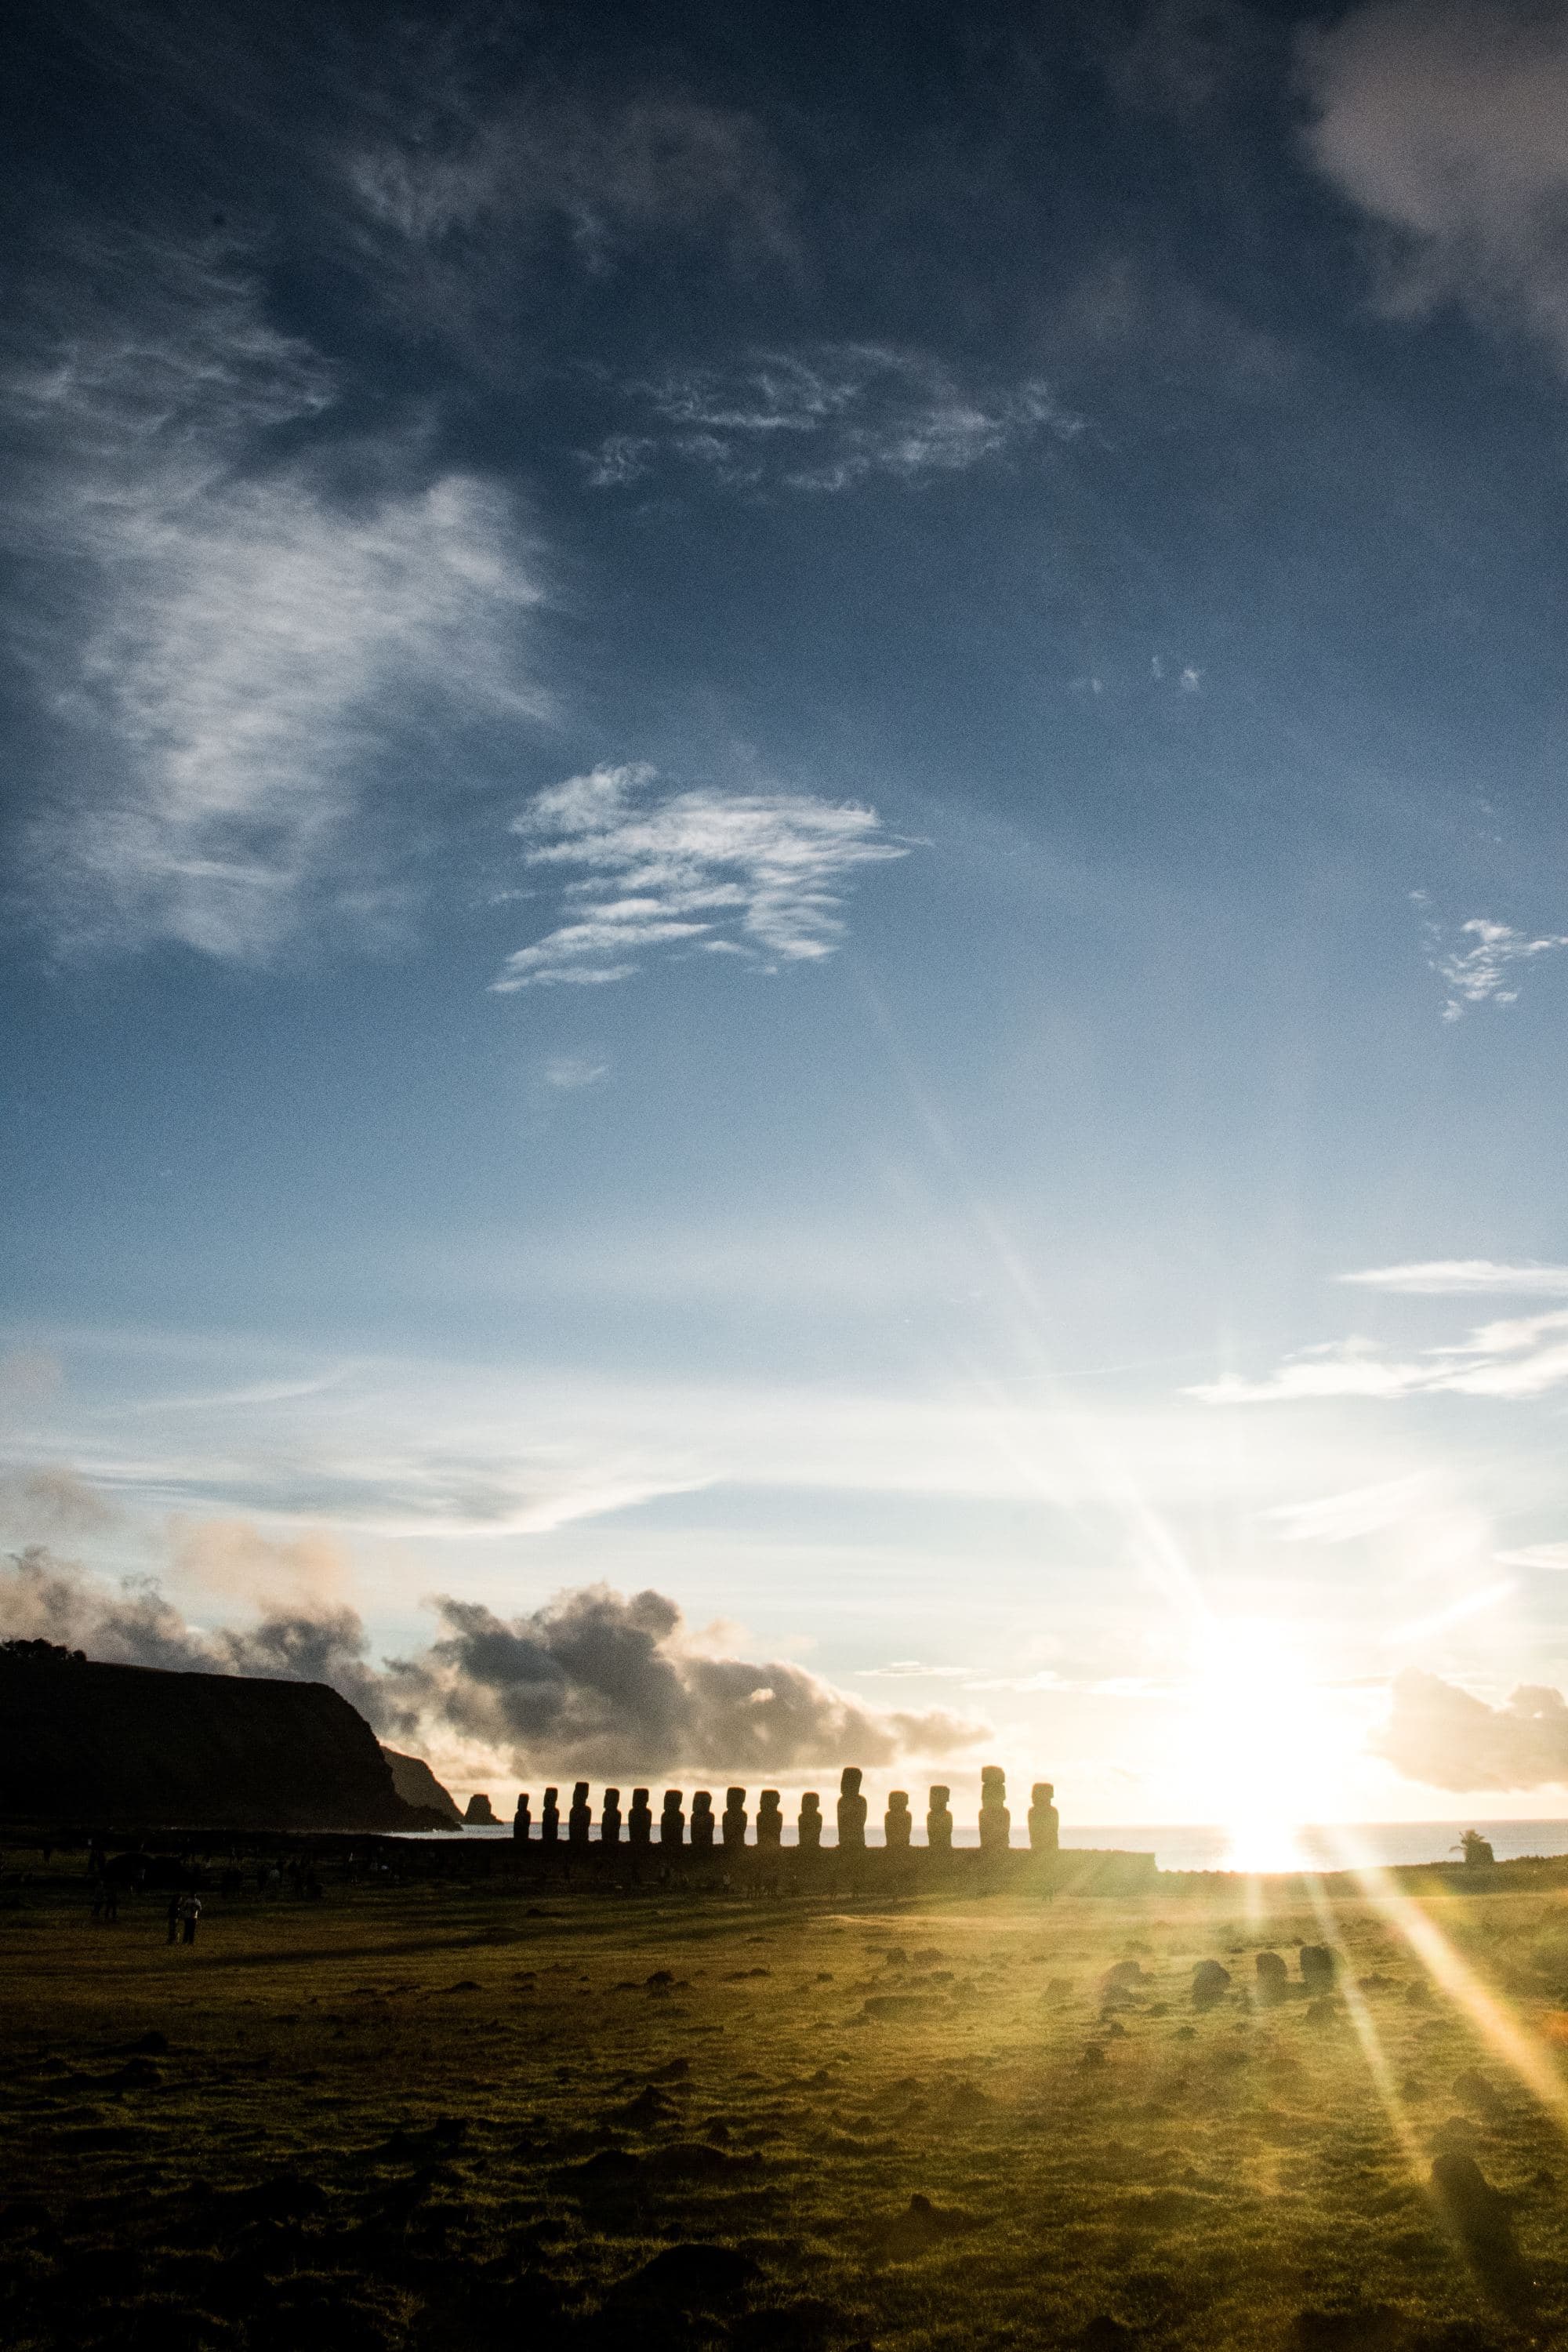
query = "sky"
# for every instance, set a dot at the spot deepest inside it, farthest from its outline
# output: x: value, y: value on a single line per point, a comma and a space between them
x: 785, y: 971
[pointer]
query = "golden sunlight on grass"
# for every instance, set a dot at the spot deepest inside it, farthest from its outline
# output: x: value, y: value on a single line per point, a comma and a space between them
x: 452, y: 2116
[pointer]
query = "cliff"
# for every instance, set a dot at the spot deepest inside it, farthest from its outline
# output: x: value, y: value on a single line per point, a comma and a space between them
x: 132, y: 1747
x: 418, y: 1785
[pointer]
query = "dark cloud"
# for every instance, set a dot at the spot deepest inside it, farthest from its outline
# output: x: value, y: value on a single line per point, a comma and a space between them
x: 594, y: 1680
x: 1440, y: 1734
x: 599, y: 1680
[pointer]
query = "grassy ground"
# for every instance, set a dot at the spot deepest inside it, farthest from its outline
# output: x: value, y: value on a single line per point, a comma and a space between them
x: 431, y: 2117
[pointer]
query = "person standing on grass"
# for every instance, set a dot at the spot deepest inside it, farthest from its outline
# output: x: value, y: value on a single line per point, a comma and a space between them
x: 190, y: 1912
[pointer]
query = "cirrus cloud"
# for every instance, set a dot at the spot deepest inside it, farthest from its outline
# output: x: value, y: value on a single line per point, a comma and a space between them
x: 761, y: 874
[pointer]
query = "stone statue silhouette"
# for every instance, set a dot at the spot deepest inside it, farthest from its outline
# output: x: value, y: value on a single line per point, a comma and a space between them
x: 770, y: 1819
x: 1045, y: 1822
x: 995, y: 1820
x: 639, y: 1821
x: 939, y: 1821
x: 671, y: 1820
x: 808, y: 1826
x: 896, y: 1822
x: 549, y: 1817
x: 851, y: 1812
x: 578, y: 1819
x: 610, y: 1818
x: 702, y: 1821
x: 522, y: 1821
x: 734, y: 1822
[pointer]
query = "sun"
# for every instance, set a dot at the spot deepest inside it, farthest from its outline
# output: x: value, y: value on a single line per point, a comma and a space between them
x: 1264, y: 1741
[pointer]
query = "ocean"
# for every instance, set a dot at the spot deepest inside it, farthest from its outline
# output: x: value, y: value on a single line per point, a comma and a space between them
x: 1178, y: 1846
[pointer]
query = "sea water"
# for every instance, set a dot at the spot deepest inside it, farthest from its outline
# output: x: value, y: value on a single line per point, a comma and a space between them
x: 1178, y: 1847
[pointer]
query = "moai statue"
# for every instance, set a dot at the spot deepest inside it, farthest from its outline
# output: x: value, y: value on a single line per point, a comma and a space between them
x: 578, y: 1819
x: 995, y: 1820
x: 549, y: 1817
x: 639, y: 1821
x: 851, y: 1812
x: 939, y: 1821
x: 769, y: 1821
x: 808, y: 1827
x: 896, y: 1822
x: 522, y: 1821
x: 672, y: 1821
x: 610, y: 1818
x: 1045, y: 1822
x: 734, y: 1822
x: 702, y: 1821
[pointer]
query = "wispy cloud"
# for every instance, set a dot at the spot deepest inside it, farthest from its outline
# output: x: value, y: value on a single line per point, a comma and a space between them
x: 570, y: 1072
x: 613, y: 172
x: 1524, y: 1356
x: 229, y: 633
x: 759, y: 875
x: 1446, y: 1277
x: 1360, y: 1511
x: 1553, y: 1557
x: 1442, y: 121
x: 1484, y: 971
x: 910, y: 1670
x: 828, y: 418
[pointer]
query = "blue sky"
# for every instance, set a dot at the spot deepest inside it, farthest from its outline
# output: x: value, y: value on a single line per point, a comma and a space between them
x: 785, y: 828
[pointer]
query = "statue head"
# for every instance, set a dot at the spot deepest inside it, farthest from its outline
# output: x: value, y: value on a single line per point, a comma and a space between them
x: 580, y: 1792
x: 939, y: 1797
x: 850, y: 1780
x: 897, y: 1800
x: 1044, y: 1790
x: 734, y: 1798
x: 992, y: 1781
x: 811, y: 1803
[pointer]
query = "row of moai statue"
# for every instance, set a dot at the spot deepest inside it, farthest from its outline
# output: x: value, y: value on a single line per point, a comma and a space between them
x: 729, y: 1829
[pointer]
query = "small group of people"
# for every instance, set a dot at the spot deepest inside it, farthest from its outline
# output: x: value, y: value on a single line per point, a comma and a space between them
x: 184, y: 1912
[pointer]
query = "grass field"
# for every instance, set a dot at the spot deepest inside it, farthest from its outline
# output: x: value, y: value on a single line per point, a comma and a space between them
x: 437, y: 2116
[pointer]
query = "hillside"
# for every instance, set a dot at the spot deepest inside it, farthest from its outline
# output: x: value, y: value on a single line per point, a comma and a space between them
x: 124, y: 1747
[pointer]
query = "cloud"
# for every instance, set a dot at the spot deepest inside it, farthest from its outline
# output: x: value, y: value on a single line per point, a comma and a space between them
x: 596, y: 1681
x: 1441, y: 1735
x: 1483, y: 973
x: 1553, y: 1557
x: 602, y: 1681
x: 827, y: 418
x: 570, y: 1072
x: 230, y: 1556
x: 1447, y: 1277
x: 762, y: 874
x: 1522, y: 1357
x: 615, y: 173
x: 1180, y: 58
x: 229, y: 633
x: 54, y: 1501
x: 44, y: 1598
x: 1361, y: 1511
x: 910, y: 1670
x: 1443, y: 121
